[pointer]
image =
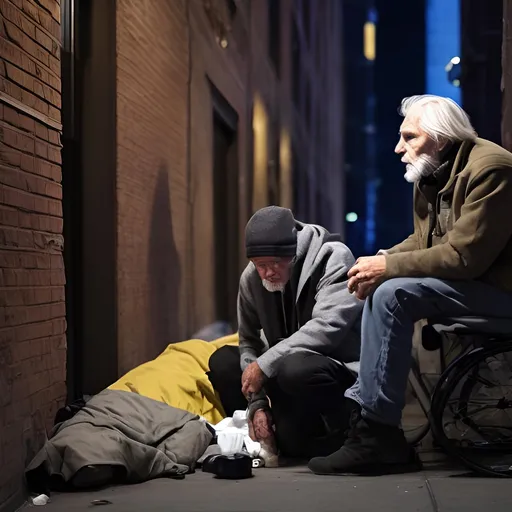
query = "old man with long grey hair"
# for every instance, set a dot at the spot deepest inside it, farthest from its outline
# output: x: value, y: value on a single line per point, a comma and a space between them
x: 456, y: 263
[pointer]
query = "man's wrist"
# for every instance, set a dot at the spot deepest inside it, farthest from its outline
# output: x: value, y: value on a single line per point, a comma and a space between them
x: 263, y: 366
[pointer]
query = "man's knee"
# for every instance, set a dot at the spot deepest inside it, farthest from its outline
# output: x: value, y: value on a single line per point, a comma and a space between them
x: 295, y: 371
x: 397, y: 290
x: 225, y: 363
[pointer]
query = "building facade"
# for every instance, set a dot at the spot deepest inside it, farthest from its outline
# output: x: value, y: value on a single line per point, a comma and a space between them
x: 137, y: 139
x: 32, y: 295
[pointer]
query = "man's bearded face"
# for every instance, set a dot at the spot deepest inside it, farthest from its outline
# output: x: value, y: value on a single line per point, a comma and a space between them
x: 420, y: 153
x: 274, y: 272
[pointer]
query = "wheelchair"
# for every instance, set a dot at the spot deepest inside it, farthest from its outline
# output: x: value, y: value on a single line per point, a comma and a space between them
x: 469, y: 409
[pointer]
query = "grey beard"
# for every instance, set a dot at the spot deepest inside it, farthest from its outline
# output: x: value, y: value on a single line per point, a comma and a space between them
x: 424, y: 165
x: 273, y: 287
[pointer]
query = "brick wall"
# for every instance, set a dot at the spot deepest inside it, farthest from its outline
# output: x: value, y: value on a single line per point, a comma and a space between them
x: 168, y: 55
x: 152, y: 194
x: 32, y: 311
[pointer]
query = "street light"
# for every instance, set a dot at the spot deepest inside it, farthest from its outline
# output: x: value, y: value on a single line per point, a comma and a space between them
x: 454, y: 70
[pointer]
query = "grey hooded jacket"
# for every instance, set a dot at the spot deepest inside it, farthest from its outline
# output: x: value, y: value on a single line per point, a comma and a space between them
x: 326, y: 316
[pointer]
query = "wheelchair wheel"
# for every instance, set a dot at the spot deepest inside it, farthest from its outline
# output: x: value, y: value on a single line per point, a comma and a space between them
x: 471, y: 413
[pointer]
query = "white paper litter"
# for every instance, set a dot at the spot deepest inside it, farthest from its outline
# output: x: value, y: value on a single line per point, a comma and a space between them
x: 42, y: 499
x: 233, y: 435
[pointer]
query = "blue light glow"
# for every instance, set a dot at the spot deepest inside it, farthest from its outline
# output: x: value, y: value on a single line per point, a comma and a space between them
x: 443, y: 43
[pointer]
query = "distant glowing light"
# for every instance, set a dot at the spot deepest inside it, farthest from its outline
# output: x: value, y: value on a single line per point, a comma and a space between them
x: 369, y: 32
x: 351, y: 217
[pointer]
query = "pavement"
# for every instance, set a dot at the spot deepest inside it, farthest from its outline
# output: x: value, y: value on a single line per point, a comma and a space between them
x: 295, y: 489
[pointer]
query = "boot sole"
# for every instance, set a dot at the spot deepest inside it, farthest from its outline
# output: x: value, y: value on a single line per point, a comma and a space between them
x: 375, y: 470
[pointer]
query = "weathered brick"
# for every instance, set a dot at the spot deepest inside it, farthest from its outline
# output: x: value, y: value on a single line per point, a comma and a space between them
x: 33, y: 331
x: 24, y: 96
x: 54, y: 137
x: 41, y: 131
x: 27, y: 81
x: 8, y: 216
x: 12, y: 297
x: 24, y: 41
x: 8, y: 259
x: 58, y: 294
x: 14, y: 118
x: 16, y: 139
x: 28, y: 63
x: 44, y: 18
x: 53, y: 7
x: 14, y: 316
x: 13, y: 15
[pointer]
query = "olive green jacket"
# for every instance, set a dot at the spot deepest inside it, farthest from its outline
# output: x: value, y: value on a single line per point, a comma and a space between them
x: 463, y: 226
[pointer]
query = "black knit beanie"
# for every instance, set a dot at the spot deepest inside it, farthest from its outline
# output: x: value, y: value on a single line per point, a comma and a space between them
x: 271, y: 232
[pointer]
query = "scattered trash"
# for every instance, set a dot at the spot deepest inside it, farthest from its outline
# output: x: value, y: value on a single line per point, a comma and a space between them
x: 258, y: 463
x: 42, y: 499
x: 100, y: 502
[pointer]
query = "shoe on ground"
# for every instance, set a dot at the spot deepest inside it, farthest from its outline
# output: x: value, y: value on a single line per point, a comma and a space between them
x: 371, y: 448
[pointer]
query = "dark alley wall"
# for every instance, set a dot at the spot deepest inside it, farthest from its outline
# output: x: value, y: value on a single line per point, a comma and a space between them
x: 506, y: 81
x: 181, y: 117
x: 180, y: 65
x: 481, y: 42
x: 152, y: 177
x: 32, y: 319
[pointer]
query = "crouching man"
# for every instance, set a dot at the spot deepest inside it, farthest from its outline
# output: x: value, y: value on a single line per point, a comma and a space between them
x: 298, y: 325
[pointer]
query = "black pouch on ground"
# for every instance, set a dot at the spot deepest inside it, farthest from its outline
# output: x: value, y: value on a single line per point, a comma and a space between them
x: 232, y: 467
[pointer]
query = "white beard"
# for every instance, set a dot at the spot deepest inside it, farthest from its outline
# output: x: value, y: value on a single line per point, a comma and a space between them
x: 423, y: 166
x: 273, y: 287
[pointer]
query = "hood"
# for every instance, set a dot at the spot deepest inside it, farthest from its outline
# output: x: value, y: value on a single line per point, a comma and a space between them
x: 310, y: 239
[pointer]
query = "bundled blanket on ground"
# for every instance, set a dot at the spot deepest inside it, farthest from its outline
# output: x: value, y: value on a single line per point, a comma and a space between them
x: 147, y: 438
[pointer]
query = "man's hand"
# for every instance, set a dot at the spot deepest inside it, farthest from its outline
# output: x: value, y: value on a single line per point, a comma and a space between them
x: 366, y: 275
x: 252, y: 380
x: 364, y: 290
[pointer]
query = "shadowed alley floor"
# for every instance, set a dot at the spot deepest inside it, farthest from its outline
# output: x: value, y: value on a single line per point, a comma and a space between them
x: 296, y: 489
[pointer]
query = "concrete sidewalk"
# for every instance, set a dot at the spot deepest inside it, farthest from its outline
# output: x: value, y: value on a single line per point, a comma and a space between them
x: 296, y: 490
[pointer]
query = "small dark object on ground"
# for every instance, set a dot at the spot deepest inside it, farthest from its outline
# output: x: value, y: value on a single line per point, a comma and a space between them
x: 232, y: 467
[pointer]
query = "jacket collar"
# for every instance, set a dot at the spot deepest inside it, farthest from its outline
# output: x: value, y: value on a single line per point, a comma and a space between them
x: 459, y: 162
x: 454, y: 160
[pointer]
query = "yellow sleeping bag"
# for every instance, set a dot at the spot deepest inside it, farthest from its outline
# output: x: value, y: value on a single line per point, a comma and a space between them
x: 178, y: 378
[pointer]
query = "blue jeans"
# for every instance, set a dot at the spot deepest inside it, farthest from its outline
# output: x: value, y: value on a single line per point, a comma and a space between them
x: 387, y: 328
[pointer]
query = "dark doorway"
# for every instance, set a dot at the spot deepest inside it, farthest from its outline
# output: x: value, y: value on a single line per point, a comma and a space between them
x: 225, y: 208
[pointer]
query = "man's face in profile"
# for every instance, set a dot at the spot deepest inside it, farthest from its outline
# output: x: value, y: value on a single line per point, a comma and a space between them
x: 419, y: 152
